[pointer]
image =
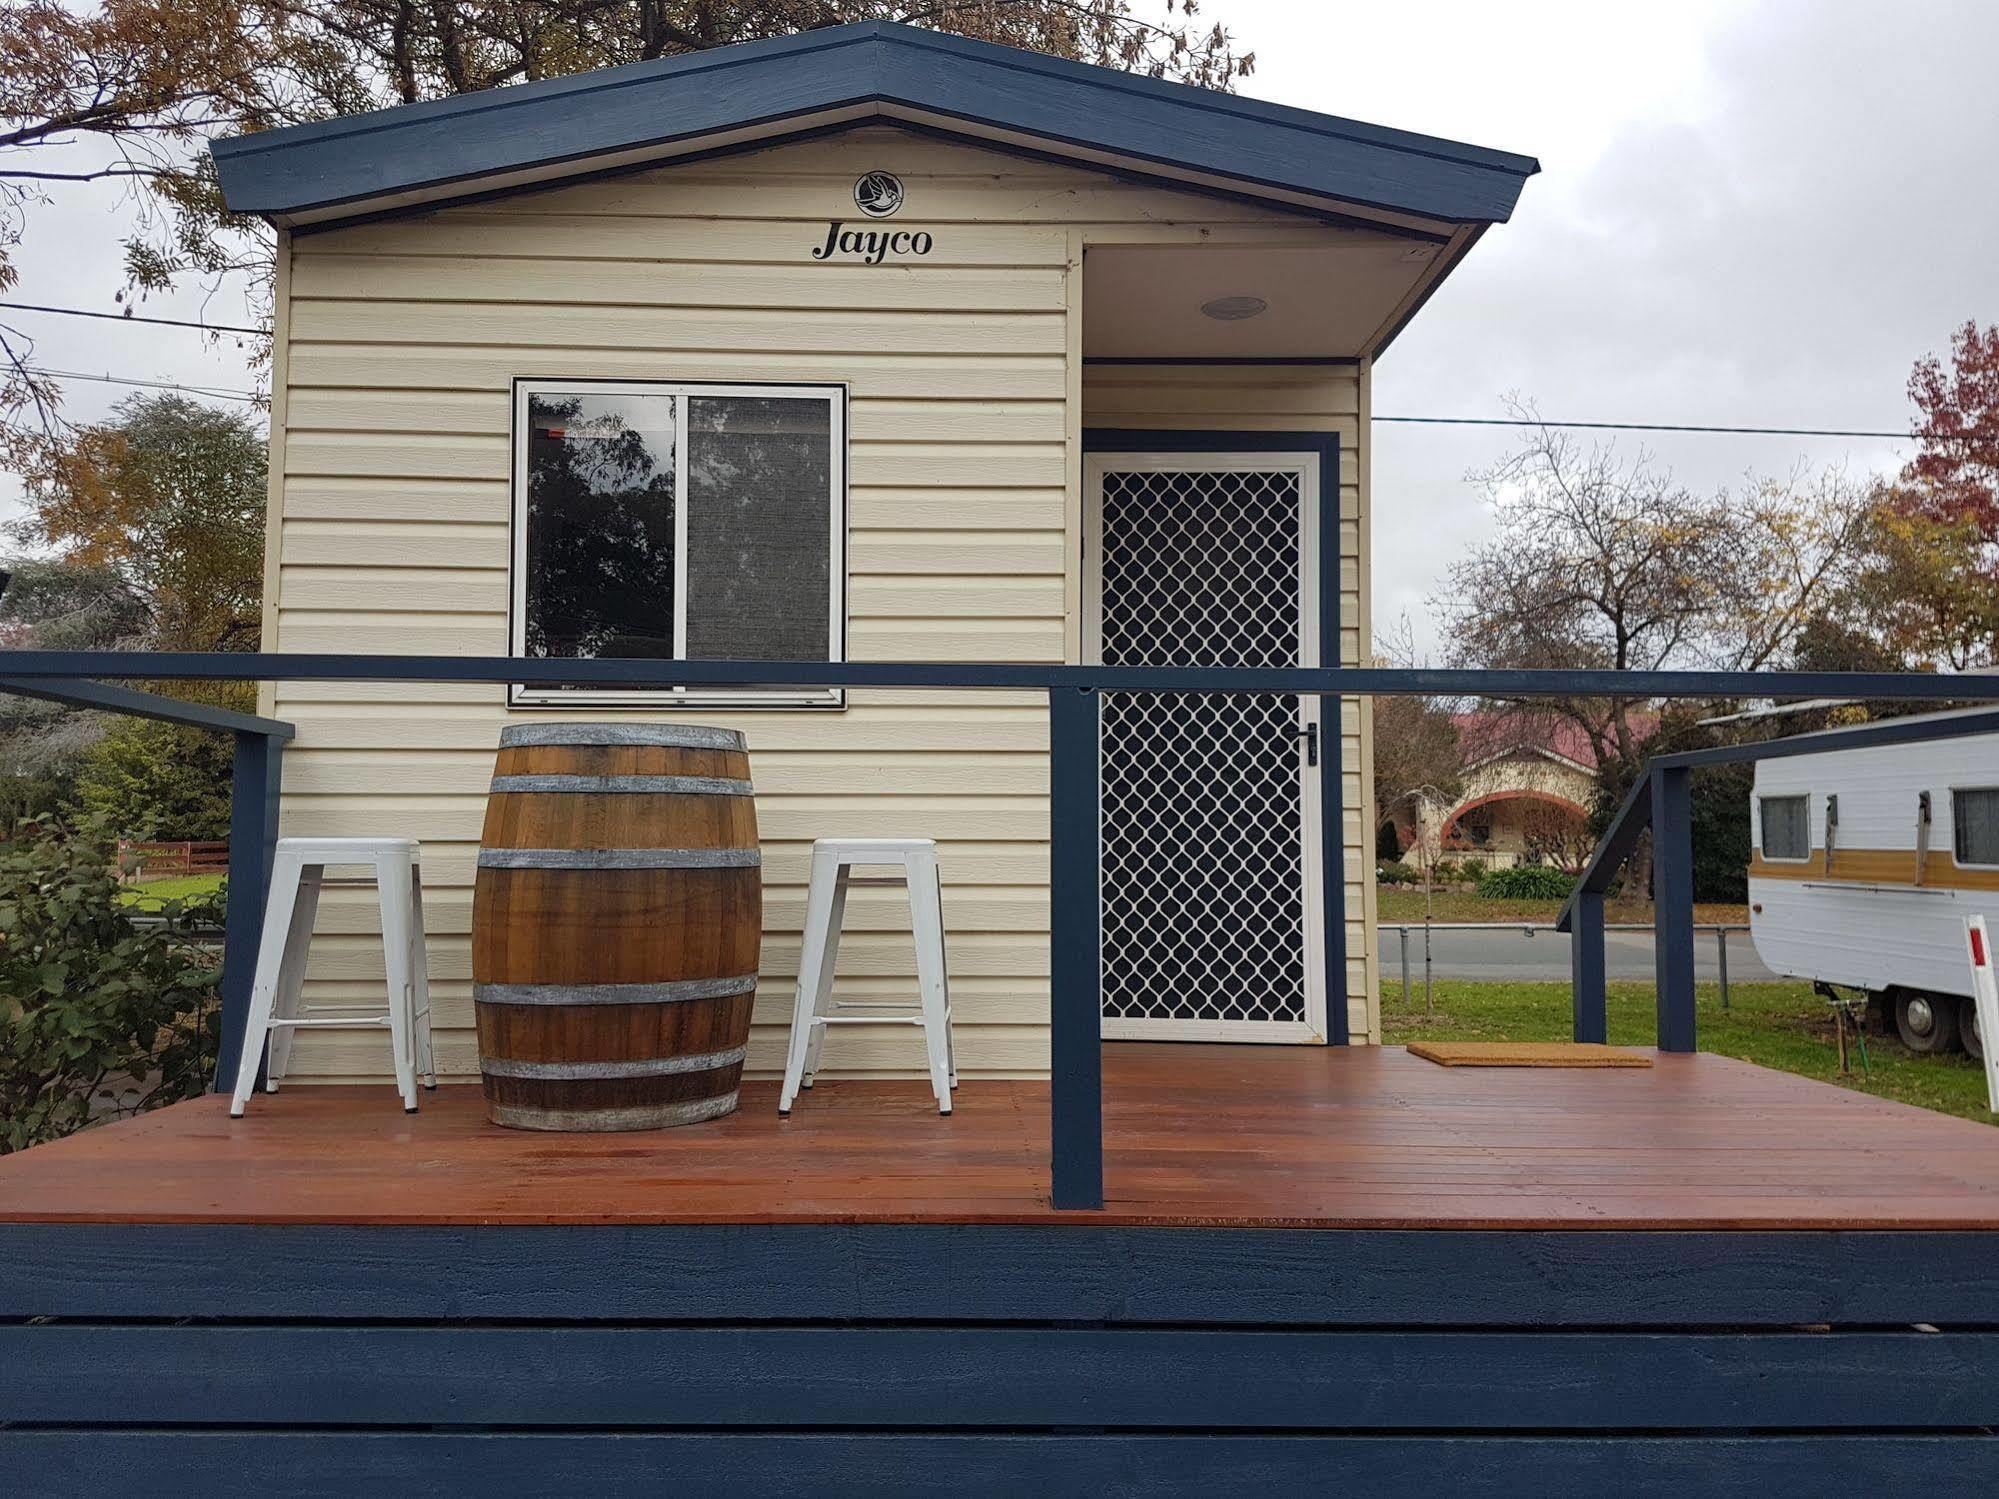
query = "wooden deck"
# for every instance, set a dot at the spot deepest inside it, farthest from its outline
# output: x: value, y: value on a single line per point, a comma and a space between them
x: 1369, y: 1138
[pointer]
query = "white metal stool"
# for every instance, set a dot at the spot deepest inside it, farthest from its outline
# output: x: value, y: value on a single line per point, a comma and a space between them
x: 825, y: 907
x: 298, y: 874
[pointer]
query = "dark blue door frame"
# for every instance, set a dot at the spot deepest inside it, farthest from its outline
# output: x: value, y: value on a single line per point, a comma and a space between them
x: 1325, y: 446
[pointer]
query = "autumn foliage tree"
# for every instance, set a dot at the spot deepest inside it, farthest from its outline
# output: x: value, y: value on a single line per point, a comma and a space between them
x: 144, y: 532
x: 121, y: 97
x: 167, y: 497
x: 1931, y: 587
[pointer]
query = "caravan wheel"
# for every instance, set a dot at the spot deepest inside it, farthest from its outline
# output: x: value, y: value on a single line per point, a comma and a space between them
x: 1926, y: 1023
x: 1967, y: 1029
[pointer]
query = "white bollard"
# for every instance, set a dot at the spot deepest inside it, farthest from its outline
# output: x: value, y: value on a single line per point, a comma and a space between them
x: 1985, y: 997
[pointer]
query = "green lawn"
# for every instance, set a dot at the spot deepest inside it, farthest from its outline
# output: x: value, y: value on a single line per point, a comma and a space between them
x: 1778, y: 1025
x: 1398, y: 904
x: 149, y: 894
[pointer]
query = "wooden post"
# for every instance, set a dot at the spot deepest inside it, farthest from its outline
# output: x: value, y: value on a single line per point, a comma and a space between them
x: 253, y: 835
x: 1590, y: 1022
x: 1673, y: 905
x: 1075, y: 1042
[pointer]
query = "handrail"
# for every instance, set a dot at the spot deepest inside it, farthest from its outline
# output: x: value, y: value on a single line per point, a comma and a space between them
x: 1075, y: 935
x: 146, y: 705
x: 1612, y: 849
x: 1306, y: 681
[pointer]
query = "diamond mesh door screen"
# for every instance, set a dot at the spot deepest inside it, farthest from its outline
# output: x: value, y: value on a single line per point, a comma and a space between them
x: 1203, y: 819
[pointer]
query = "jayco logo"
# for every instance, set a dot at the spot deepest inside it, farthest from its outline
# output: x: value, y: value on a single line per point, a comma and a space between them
x: 871, y: 245
x: 878, y: 195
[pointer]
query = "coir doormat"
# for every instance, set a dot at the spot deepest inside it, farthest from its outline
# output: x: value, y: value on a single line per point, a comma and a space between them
x: 1526, y: 1054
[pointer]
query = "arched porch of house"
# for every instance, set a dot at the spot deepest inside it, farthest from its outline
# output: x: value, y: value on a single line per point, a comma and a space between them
x: 1515, y: 826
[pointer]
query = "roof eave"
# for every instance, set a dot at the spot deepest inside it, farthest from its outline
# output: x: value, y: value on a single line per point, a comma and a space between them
x: 544, y: 131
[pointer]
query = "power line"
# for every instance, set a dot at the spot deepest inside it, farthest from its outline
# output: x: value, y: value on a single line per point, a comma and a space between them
x: 193, y: 390
x: 132, y: 317
x: 1433, y: 421
x: 1518, y: 421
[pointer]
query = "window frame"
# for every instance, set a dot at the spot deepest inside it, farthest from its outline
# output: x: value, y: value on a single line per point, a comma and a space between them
x: 1784, y: 796
x: 836, y: 396
x: 1957, y: 861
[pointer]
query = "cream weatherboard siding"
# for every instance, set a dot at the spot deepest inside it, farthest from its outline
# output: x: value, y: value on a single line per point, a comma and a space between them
x: 398, y: 344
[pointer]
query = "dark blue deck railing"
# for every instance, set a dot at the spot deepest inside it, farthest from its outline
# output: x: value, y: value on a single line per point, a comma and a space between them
x: 1661, y: 800
x: 1076, y: 1120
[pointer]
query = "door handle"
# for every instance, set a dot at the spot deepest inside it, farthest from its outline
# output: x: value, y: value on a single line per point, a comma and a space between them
x: 1310, y: 734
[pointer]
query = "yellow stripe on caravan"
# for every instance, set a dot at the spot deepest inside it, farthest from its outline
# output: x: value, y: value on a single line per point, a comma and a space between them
x: 1877, y: 866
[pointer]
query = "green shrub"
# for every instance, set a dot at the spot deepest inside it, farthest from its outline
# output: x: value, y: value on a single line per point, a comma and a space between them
x: 146, y: 779
x: 1447, y: 872
x: 1395, y: 872
x: 1526, y: 882
x: 99, y: 1017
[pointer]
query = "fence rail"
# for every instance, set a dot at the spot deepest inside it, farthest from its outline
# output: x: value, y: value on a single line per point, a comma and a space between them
x: 185, y: 856
x: 1529, y: 929
x: 80, y: 677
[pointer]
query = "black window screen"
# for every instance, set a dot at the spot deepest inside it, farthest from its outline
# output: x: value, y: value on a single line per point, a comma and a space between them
x: 688, y: 523
x: 600, y: 525
x: 1787, y: 827
x: 758, y: 528
x: 1974, y: 819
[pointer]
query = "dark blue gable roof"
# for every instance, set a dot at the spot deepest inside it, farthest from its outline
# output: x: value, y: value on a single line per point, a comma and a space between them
x: 871, y: 68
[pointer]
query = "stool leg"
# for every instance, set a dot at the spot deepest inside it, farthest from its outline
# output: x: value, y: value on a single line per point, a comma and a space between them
x: 812, y: 964
x: 926, y: 922
x: 392, y: 884
x: 944, y: 975
x: 291, y: 974
x: 264, y: 986
x: 822, y: 999
x: 426, y: 1057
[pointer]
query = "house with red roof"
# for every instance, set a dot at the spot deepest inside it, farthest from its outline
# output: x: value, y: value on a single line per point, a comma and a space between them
x: 1523, y: 796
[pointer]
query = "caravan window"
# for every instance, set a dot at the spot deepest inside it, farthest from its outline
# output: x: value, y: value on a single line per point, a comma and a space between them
x: 685, y: 522
x: 1974, y: 816
x: 1787, y: 827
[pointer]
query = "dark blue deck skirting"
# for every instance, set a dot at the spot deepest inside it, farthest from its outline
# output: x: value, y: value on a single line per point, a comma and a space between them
x: 886, y: 1360
x: 993, y: 1376
x: 1069, y: 1272
x: 607, y: 1465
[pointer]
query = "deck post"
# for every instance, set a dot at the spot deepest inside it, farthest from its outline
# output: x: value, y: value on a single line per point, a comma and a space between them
x: 253, y: 835
x: 1586, y: 968
x: 1673, y: 904
x: 1075, y: 940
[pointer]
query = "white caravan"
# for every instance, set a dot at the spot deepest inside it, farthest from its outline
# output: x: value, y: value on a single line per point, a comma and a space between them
x: 1865, y: 863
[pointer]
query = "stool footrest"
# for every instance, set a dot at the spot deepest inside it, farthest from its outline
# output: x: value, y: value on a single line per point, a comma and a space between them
x: 893, y: 1018
x: 309, y: 1023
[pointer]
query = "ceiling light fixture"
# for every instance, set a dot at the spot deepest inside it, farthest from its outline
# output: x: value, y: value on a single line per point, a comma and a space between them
x: 1233, y: 309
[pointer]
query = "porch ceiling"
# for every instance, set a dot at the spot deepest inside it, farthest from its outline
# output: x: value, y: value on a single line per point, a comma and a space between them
x: 1331, y: 301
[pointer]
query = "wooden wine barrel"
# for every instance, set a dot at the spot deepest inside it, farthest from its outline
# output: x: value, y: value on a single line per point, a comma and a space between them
x: 616, y: 924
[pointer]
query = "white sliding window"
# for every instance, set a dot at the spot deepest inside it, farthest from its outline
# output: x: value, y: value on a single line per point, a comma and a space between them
x: 684, y: 522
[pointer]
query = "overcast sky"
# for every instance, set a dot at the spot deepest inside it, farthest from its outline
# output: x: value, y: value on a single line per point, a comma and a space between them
x: 1748, y: 213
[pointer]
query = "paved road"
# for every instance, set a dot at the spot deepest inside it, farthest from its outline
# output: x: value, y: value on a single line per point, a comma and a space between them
x: 1516, y: 956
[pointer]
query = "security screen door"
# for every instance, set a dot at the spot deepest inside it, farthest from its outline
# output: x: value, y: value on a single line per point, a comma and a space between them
x: 1210, y: 801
